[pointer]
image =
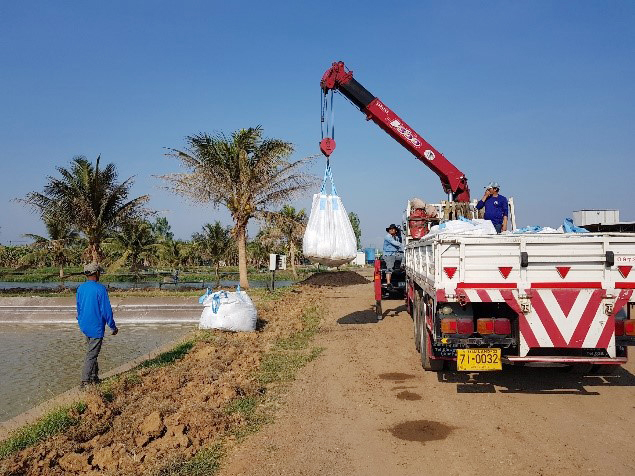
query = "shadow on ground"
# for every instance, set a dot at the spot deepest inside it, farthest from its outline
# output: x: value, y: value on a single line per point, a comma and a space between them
x: 535, y: 380
x: 359, y: 317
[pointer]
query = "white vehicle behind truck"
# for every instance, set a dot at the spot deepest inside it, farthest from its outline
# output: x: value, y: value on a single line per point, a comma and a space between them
x: 482, y: 300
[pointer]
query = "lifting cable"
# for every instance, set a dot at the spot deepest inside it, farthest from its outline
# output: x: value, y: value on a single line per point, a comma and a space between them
x: 327, y: 115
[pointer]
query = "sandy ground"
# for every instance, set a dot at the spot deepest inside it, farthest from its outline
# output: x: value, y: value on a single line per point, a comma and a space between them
x: 365, y: 407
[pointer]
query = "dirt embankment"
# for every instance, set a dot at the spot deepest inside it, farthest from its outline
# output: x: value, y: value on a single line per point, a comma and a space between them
x: 151, y: 417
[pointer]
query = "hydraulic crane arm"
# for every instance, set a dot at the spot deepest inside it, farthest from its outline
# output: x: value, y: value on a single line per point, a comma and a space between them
x: 338, y: 78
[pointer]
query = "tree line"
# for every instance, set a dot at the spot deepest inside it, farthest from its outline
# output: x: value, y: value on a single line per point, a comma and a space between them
x: 89, y: 215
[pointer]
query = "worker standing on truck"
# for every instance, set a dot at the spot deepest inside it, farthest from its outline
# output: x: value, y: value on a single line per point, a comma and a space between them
x: 393, y: 251
x: 496, y: 207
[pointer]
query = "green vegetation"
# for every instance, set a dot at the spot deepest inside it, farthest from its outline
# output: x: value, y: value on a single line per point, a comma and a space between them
x: 354, y: 219
x: 55, y: 422
x: 287, y: 227
x: 205, y: 462
x: 169, y: 357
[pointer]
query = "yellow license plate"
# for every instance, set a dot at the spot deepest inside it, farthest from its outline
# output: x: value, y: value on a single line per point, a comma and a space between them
x: 478, y: 359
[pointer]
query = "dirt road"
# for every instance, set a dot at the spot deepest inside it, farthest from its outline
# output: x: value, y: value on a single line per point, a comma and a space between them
x: 365, y: 407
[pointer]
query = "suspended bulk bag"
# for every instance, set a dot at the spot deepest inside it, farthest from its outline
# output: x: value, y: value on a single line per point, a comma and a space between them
x: 329, y: 238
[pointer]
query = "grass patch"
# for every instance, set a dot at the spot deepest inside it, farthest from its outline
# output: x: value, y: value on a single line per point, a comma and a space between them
x: 243, y: 405
x: 205, y: 462
x: 55, y: 422
x: 168, y: 357
x: 300, y: 340
x: 280, y: 367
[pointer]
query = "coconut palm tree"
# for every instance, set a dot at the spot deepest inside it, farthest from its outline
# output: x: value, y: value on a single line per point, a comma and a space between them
x: 60, y: 237
x: 89, y: 199
x: 291, y: 225
x: 243, y: 172
x: 136, y: 244
x: 214, y: 244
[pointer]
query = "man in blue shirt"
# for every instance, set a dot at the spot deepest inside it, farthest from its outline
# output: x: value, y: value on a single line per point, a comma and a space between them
x: 93, y: 313
x: 393, y: 251
x: 496, y: 207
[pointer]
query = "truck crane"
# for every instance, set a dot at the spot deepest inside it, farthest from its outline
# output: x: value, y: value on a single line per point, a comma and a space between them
x: 481, y: 300
x: 338, y: 77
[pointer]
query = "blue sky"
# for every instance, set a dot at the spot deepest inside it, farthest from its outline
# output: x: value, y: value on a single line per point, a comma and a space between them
x: 538, y: 95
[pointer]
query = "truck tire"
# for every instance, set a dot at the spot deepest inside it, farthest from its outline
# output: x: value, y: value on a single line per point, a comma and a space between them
x: 427, y: 363
x: 416, y: 317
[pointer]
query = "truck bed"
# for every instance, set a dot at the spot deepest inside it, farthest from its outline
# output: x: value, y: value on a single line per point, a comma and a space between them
x: 565, y: 288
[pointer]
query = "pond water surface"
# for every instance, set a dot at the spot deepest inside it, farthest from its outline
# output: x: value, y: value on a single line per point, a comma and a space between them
x: 40, y: 361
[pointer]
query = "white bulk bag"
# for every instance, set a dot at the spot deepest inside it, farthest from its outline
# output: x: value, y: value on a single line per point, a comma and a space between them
x: 329, y: 238
x: 465, y: 227
x: 228, y: 311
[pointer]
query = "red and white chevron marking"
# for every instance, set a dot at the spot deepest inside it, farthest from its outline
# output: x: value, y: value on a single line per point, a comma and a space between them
x: 563, y: 318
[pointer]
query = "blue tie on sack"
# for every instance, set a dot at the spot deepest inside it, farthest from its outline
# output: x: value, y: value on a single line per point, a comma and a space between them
x: 201, y: 300
x: 216, y: 301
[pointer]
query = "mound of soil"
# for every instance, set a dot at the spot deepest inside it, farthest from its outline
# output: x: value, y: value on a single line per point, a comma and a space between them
x: 335, y: 279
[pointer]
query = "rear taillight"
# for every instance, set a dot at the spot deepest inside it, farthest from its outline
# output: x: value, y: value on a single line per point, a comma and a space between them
x: 448, y: 326
x: 502, y: 327
x: 629, y: 327
x: 462, y: 326
x: 485, y: 326
x: 619, y: 328
x: 465, y: 326
x: 493, y: 326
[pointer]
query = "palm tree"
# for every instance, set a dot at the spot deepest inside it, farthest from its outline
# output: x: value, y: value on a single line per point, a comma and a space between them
x: 89, y: 199
x: 291, y: 225
x: 162, y: 230
x: 136, y: 244
x: 61, y: 236
x: 213, y: 244
x: 244, y: 172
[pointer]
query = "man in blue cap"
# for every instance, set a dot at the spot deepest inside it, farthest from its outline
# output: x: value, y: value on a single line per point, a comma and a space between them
x: 93, y: 313
x: 496, y: 207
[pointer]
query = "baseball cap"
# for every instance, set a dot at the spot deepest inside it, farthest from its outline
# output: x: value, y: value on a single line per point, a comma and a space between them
x: 92, y: 268
x: 492, y: 185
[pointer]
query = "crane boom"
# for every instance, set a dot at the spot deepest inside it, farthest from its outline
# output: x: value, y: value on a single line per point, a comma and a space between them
x: 337, y: 77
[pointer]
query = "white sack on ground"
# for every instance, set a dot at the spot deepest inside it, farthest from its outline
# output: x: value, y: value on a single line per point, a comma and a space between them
x: 329, y: 238
x: 229, y: 311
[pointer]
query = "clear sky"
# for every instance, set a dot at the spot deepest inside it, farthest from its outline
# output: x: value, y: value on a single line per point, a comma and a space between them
x: 537, y: 95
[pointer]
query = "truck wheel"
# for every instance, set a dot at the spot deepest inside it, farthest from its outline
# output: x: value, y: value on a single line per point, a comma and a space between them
x: 416, y: 317
x: 426, y: 362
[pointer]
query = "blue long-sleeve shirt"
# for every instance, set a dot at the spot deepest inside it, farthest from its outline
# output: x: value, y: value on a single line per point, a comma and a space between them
x: 392, y: 246
x: 93, y: 309
x: 495, y: 208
